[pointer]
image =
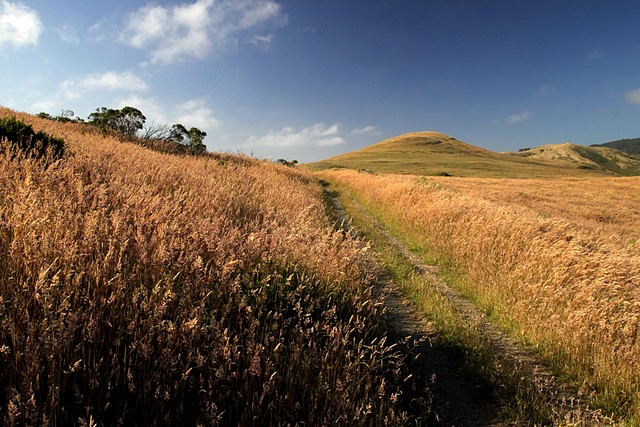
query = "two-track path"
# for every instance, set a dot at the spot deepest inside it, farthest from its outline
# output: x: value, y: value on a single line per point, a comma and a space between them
x: 458, y: 398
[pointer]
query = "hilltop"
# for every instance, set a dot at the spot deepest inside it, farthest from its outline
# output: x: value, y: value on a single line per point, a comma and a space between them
x: 435, y: 153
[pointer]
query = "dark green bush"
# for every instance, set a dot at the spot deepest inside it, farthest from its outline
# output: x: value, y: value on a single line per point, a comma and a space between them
x: 22, y: 138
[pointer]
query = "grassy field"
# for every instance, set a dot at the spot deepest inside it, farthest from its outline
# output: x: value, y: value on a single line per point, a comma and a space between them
x: 432, y: 154
x: 141, y: 288
x: 556, y: 262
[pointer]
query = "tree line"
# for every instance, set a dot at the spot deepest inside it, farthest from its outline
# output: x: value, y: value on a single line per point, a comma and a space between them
x: 129, y: 122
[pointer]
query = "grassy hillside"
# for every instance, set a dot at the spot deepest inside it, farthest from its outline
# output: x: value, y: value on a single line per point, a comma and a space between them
x: 596, y: 158
x: 433, y: 153
x: 631, y: 145
x: 140, y: 288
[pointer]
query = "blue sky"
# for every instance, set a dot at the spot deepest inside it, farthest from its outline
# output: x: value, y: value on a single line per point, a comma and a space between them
x: 309, y: 79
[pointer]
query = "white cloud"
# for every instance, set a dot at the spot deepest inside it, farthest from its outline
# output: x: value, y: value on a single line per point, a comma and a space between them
x: 108, y: 81
x: 147, y: 24
x: 150, y: 107
x: 70, y: 90
x: 19, y: 25
x: 192, y: 113
x: 171, y: 34
x: 193, y: 30
x: 44, y: 104
x: 633, y: 96
x: 521, y: 117
x: 367, y: 130
x: 195, y: 113
x: 316, y: 135
x: 114, y: 81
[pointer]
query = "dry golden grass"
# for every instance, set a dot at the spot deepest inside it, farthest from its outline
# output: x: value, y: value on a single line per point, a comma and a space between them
x: 557, y: 260
x: 141, y: 288
x: 607, y: 207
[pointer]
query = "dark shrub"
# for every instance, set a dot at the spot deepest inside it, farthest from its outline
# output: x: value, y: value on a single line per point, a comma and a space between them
x: 22, y: 138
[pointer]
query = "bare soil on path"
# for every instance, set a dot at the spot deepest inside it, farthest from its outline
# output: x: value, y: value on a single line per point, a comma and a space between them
x: 460, y: 398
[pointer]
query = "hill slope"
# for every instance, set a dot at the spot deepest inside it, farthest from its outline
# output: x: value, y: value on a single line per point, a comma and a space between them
x: 631, y: 146
x: 595, y: 158
x: 141, y: 288
x: 434, y: 153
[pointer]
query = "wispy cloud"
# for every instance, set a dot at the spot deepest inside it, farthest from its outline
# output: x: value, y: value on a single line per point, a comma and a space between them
x: 520, y: 117
x: 633, y: 96
x: 367, y: 130
x: 262, y: 42
x: 515, y: 118
x: 100, y: 31
x: 172, y: 34
x: 108, y: 81
x: 316, y: 135
x: 546, y: 90
x: 251, y: 13
x: 19, y: 25
x: 68, y: 35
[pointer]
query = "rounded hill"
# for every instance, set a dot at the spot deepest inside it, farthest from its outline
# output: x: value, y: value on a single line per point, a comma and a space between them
x: 432, y: 141
x: 436, y: 153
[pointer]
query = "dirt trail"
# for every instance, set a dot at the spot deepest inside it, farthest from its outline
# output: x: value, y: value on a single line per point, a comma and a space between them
x: 461, y: 400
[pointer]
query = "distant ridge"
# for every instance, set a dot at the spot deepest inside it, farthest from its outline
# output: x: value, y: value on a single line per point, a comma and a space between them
x: 435, y: 153
x: 631, y: 145
x: 598, y: 158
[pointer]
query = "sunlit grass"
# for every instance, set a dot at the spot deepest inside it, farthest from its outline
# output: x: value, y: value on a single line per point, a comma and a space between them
x: 521, y: 400
x: 566, y: 283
